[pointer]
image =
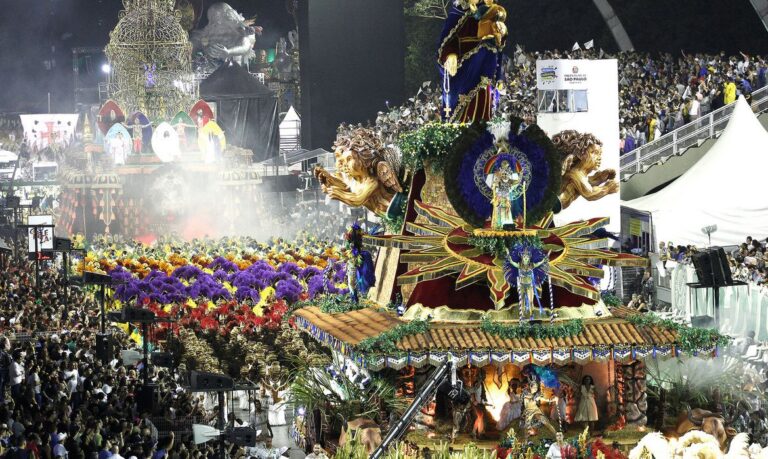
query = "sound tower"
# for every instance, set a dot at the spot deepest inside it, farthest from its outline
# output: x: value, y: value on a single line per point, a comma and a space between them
x: 352, y: 64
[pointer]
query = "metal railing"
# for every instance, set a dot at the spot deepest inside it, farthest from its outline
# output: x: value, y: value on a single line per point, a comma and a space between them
x: 677, y: 141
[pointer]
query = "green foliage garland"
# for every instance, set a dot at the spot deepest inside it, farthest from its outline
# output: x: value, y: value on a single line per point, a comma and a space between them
x: 430, y: 142
x: 331, y: 304
x: 610, y: 299
x: 689, y: 339
x: 387, y: 341
x: 528, y: 330
x: 395, y: 225
x: 498, y: 245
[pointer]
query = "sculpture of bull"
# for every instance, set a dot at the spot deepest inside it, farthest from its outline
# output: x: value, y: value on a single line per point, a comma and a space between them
x: 364, y: 431
x: 706, y: 421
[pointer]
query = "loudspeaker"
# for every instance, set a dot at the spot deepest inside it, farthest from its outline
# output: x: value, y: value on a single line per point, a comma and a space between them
x: 352, y: 64
x: 61, y: 244
x: 209, y: 382
x: 104, y: 351
x: 242, y: 436
x: 145, y: 398
x: 162, y: 359
x: 712, y: 267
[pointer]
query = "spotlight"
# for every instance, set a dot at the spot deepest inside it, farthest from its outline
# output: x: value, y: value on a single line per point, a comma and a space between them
x: 106, y: 68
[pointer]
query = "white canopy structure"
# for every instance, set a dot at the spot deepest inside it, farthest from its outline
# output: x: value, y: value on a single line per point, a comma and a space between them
x: 725, y: 188
x: 8, y: 156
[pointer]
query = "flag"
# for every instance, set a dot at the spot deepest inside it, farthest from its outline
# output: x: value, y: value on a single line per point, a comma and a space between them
x: 576, y: 47
x: 590, y: 44
x: 136, y: 336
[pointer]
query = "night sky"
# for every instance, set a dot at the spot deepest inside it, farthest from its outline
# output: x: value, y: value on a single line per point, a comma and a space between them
x: 35, y: 34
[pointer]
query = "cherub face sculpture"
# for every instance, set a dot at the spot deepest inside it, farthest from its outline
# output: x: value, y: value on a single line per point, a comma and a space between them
x: 366, y: 177
x: 594, y: 156
x: 349, y: 164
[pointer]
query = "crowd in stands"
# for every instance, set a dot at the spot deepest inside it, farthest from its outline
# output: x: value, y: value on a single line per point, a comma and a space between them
x: 58, y: 399
x: 657, y: 92
x: 748, y: 262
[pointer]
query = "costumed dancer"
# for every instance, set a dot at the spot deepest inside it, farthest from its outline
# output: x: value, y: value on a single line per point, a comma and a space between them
x: 526, y: 285
x: 506, y: 208
x: 138, y: 137
x: 478, y: 400
x: 533, y: 415
x: 181, y: 131
x: 511, y: 410
x: 361, y: 275
x: 471, y: 59
x: 587, y: 411
x: 559, y: 410
x: 117, y: 148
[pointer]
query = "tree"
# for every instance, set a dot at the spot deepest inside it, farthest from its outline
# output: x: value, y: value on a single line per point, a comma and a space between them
x: 429, y: 9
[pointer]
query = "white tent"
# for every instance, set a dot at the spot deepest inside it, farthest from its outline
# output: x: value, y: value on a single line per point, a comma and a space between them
x: 7, y: 156
x: 725, y: 188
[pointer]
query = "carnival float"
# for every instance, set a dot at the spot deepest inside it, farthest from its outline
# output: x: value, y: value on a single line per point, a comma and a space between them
x: 153, y: 157
x: 489, y: 318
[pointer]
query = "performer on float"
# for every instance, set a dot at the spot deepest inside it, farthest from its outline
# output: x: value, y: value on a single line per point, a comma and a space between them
x: 182, y: 132
x: 526, y: 285
x: 471, y: 59
x: 361, y: 274
x: 137, y: 137
x: 506, y: 205
x: 117, y: 147
x: 587, y: 411
x: 511, y: 410
x: 533, y: 415
x: 479, y: 402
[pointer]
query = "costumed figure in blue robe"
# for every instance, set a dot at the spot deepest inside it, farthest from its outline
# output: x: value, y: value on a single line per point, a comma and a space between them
x: 471, y: 59
x: 527, y: 282
x: 361, y: 272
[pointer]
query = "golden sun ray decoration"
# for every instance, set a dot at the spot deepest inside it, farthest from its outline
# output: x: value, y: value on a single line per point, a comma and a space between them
x: 441, y: 248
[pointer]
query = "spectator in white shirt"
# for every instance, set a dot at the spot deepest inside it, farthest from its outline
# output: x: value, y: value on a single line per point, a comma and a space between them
x: 16, y: 374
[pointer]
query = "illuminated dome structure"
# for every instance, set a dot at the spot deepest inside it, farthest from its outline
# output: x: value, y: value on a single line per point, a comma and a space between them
x: 151, y: 60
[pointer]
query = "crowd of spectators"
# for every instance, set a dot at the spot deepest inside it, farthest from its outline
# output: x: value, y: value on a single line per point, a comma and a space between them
x: 657, y: 92
x: 748, y: 262
x: 60, y: 399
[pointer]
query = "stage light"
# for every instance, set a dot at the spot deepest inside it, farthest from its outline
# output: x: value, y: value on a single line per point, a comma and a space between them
x: 106, y: 68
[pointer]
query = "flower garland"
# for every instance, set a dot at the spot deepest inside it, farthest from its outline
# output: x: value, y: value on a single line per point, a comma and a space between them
x: 430, y: 142
x: 387, y: 341
x: 528, y: 330
x: 689, y: 339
